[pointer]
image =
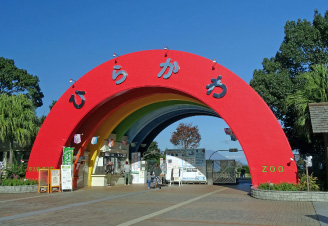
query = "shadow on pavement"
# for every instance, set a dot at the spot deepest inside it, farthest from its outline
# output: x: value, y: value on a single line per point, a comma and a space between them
x: 243, y: 185
x: 316, y: 217
x: 322, y: 219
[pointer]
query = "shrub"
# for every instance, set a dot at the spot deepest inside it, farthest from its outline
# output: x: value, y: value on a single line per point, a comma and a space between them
x: 313, y: 186
x: 301, y: 186
x: 285, y: 187
x: 264, y: 186
x: 18, y: 182
x: 16, y: 171
x: 278, y: 187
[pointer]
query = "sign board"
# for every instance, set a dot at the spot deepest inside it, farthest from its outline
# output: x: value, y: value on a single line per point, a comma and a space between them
x: 66, y: 177
x: 43, y: 180
x: 175, y: 175
x: 67, y: 156
x: 134, y: 178
x: 137, y: 171
x: 308, y: 161
x: 233, y: 150
x: 54, y: 179
x: 135, y: 162
x: 164, y: 168
x: 191, y: 162
x: 116, y: 155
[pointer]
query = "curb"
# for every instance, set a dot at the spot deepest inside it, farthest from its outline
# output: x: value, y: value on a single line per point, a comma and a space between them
x: 303, y: 196
x: 19, y: 189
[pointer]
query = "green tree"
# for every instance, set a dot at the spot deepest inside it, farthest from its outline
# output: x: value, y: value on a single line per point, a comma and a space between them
x: 305, y: 44
x: 186, y: 136
x: 18, y: 122
x: 153, y: 152
x: 15, y: 81
x: 52, y: 104
x: 313, y: 88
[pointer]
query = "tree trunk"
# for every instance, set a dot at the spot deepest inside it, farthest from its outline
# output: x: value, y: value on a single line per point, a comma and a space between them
x: 5, y: 158
x: 325, y: 139
x: 11, y: 152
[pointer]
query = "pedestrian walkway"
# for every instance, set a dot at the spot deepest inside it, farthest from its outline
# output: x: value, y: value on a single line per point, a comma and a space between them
x: 136, y: 205
x: 321, y: 209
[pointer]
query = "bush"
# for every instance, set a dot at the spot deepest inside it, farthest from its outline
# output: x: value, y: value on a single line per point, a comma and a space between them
x: 278, y: 187
x: 18, y: 182
x: 301, y: 186
x: 15, y: 171
x: 313, y: 186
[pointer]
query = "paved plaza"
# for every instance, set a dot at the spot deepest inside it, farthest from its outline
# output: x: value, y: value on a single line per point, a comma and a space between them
x: 137, y: 205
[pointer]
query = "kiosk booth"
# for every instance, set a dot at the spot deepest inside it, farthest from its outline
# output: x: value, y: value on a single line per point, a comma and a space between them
x: 110, y: 160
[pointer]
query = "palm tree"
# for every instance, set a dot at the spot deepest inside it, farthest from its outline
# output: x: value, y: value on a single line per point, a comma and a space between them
x: 18, y: 122
x: 314, y: 89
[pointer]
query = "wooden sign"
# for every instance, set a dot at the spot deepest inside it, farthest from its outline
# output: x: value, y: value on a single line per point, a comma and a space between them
x: 43, y: 180
x: 54, y: 180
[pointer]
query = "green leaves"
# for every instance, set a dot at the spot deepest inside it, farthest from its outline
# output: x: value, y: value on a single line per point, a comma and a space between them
x: 313, y: 183
x: 19, y: 96
x: 17, y: 119
x: 153, y: 152
x: 18, y: 122
x: 273, y: 88
x: 313, y: 88
x: 295, y: 77
x: 278, y: 187
x: 18, y: 182
x: 14, y: 81
x: 301, y: 186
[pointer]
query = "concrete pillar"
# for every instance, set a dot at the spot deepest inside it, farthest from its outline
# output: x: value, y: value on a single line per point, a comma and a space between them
x: 209, y: 172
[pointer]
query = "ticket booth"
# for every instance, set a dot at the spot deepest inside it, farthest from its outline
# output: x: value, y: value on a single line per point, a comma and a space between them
x: 116, y: 154
x: 99, y: 177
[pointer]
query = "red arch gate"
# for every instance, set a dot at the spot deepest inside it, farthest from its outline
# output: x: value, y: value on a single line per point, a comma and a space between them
x: 98, y: 102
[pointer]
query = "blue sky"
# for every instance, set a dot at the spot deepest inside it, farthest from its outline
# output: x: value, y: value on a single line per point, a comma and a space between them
x: 59, y: 40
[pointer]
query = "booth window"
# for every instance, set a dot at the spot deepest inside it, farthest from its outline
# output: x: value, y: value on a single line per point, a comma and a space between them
x: 118, y: 160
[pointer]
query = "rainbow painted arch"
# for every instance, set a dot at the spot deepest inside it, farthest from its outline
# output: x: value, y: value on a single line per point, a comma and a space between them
x: 141, y: 93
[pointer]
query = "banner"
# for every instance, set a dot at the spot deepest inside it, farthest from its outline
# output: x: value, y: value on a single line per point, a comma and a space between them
x: 94, y: 140
x: 229, y: 132
x: 68, y: 156
x: 135, y: 162
x: 77, y: 138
